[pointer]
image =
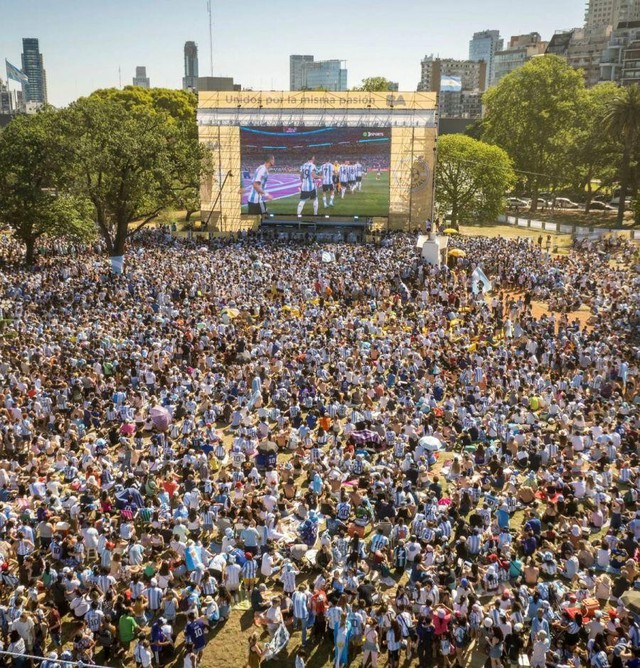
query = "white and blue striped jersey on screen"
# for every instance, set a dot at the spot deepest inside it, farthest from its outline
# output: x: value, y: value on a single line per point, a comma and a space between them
x: 344, y: 173
x: 307, y: 172
x: 327, y: 174
x: 260, y: 177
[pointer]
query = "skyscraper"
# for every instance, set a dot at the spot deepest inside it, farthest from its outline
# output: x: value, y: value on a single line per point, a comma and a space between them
x: 307, y: 74
x: 141, y: 79
x: 190, y: 79
x: 33, y: 66
x: 603, y: 13
x: 297, y: 79
x: 483, y: 46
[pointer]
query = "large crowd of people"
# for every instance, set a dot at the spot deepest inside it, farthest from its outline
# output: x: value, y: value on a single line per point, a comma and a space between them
x: 359, y: 450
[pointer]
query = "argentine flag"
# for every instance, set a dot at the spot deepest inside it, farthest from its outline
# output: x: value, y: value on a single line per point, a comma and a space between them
x: 15, y: 74
x: 449, y: 84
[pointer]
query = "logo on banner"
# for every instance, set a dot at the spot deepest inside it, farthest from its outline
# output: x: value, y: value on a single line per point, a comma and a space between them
x: 396, y: 101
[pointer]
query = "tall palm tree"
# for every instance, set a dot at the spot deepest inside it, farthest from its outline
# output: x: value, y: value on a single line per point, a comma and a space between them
x: 622, y: 121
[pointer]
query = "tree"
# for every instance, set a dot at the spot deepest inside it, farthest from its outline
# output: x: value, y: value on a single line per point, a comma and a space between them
x: 374, y: 85
x: 181, y: 107
x: 131, y: 160
x: 622, y: 122
x: 33, y: 160
x: 531, y: 114
x: 472, y: 178
x: 593, y: 153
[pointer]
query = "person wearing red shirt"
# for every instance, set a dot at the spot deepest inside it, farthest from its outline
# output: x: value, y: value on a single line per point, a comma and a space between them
x: 441, y: 621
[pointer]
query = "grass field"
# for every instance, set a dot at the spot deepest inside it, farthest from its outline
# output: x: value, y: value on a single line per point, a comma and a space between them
x: 373, y: 200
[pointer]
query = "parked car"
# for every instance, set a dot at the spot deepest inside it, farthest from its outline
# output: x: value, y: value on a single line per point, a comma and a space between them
x: 543, y: 203
x: 615, y: 201
x: 565, y: 203
x: 517, y: 203
x: 601, y: 206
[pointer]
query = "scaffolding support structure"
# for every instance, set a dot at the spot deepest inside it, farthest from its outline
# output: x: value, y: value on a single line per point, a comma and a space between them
x: 412, y: 118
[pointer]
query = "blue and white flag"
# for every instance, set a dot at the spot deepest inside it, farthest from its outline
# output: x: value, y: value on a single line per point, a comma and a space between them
x: 277, y: 644
x: 449, y: 84
x: 479, y: 277
x: 15, y: 74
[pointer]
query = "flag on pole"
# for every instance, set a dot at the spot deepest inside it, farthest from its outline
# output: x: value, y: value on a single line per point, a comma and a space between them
x: 449, y: 84
x: 15, y: 74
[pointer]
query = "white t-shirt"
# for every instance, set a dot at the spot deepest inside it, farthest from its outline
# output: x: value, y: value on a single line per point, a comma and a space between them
x: 266, y: 568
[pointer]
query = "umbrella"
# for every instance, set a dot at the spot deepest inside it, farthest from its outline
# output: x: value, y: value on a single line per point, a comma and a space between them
x: 430, y: 443
x: 128, y: 429
x: 450, y: 230
x: 457, y: 252
x: 160, y: 417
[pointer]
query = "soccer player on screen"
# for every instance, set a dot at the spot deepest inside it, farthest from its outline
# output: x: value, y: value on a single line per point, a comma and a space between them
x: 327, y: 183
x: 258, y: 195
x: 343, y: 174
x: 358, y: 168
x: 308, y: 186
x: 352, y: 177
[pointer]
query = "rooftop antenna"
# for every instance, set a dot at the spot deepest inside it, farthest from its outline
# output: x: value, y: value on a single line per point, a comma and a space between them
x: 210, y: 36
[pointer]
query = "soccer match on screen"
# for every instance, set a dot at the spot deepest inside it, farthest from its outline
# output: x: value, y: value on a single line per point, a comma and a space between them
x: 315, y: 171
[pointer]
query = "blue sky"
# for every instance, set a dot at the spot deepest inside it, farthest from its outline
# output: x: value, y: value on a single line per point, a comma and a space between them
x: 85, y: 41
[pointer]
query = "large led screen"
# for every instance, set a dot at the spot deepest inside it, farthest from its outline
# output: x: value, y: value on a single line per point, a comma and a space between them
x: 315, y: 171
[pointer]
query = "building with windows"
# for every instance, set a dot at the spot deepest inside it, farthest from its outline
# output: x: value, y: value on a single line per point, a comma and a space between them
x: 603, y: 13
x: 297, y: 80
x: 619, y: 60
x: 190, y: 79
x: 559, y: 44
x: 305, y: 73
x: 521, y: 49
x: 483, y: 46
x: 471, y: 73
x: 465, y: 103
x: 35, y: 90
x: 141, y: 79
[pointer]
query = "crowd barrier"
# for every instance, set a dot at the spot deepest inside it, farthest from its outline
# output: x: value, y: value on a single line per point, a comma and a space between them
x: 563, y: 228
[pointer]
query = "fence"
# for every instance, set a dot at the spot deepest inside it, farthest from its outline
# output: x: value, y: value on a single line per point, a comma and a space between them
x: 563, y: 228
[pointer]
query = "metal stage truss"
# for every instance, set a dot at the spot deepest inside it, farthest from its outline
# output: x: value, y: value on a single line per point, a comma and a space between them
x: 412, y: 118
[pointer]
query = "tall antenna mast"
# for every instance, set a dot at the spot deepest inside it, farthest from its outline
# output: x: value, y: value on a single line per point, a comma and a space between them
x: 210, y: 36
x: 120, y: 76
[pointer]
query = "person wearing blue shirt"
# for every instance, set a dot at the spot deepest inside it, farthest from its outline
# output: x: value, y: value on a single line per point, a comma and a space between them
x: 194, y: 633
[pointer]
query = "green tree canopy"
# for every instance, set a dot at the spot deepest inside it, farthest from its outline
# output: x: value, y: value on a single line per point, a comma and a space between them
x: 374, y: 85
x: 131, y: 159
x: 531, y: 113
x: 33, y: 162
x: 593, y: 154
x: 622, y: 122
x: 181, y: 107
x: 471, y: 179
